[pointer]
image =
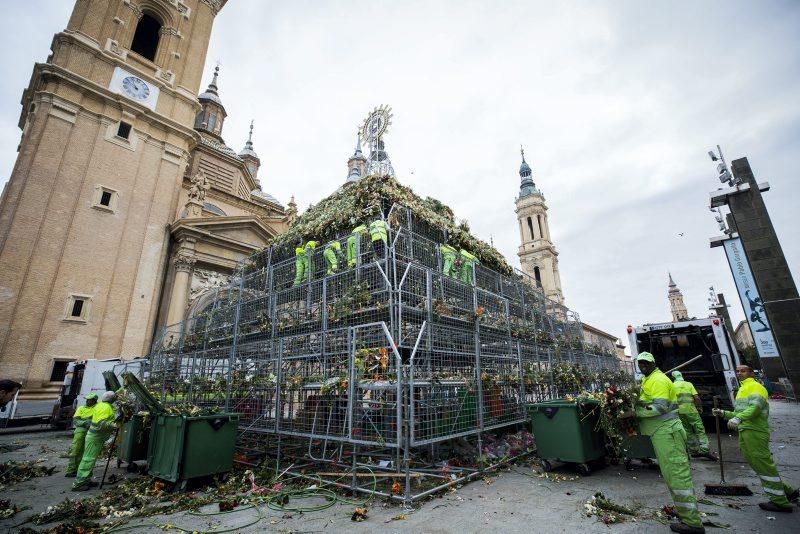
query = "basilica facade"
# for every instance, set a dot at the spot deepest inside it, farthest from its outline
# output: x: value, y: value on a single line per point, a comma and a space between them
x: 125, y: 208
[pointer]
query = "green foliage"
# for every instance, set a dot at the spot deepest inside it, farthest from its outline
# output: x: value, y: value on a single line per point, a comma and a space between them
x: 361, y: 202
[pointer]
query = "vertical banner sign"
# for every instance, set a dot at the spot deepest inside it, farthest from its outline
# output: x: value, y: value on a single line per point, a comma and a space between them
x: 751, y: 300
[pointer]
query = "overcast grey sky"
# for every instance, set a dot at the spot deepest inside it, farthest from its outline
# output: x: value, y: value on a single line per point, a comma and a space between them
x: 616, y: 103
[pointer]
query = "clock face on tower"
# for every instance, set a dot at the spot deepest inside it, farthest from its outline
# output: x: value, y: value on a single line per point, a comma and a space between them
x: 135, y: 88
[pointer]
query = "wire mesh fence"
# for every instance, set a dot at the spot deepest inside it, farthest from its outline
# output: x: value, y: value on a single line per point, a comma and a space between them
x: 390, y: 345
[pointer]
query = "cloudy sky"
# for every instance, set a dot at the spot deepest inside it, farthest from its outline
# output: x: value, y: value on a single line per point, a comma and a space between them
x: 616, y: 104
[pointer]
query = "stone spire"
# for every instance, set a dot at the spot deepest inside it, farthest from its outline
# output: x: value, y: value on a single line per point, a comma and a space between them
x: 676, y: 305
x: 249, y: 155
x: 357, y: 164
x: 527, y: 187
x: 291, y: 211
x: 212, y: 115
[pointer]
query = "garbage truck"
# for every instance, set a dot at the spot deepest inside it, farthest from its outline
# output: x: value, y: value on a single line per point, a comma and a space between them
x: 714, y: 374
x: 84, y: 377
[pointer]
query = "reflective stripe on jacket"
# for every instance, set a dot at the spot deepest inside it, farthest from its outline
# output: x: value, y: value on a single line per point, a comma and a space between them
x: 657, y: 402
x: 752, y: 406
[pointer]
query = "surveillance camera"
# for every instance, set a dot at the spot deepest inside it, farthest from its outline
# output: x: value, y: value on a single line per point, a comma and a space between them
x: 712, y: 155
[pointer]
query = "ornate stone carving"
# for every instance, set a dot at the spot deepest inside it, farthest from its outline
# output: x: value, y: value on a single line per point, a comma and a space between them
x: 203, y: 280
x: 215, y: 5
x: 183, y: 260
x: 200, y: 185
x: 133, y: 7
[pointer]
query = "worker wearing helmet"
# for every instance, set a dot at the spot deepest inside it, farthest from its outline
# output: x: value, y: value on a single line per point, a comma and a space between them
x: 657, y: 414
x: 750, y: 417
x: 82, y: 419
x: 688, y: 402
x: 100, y: 429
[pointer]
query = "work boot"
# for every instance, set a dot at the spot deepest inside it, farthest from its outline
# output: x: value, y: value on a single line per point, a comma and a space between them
x: 70, y: 475
x: 81, y: 487
x: 711, y: 456
x: 683, y: 528
x: 772, y: 507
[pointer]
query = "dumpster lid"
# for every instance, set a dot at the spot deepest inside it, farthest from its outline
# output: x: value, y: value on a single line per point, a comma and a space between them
x: 140, y: 392
x: 111, y: 381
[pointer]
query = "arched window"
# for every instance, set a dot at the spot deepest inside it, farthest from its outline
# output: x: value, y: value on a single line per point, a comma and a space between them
x: 212, y: 121
x: 213, y: 208
x: 198, y: 122
x: 530, y: 227
x: 146, y: 36
x: 538, y: 275
x: 541, y: 232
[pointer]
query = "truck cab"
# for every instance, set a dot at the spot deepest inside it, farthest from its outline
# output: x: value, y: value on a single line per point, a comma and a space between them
x: 678, y: 342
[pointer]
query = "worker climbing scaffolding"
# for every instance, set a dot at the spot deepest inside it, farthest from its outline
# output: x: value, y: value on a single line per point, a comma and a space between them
x: 688, y: 401
x: 353, y: 245
x: 102, y: 426
x: 332, y: 255
x: 302, y: 263
x: 448, y: 260
x: 379, y: 235
x: 468, y: 261
x: 82, y: 419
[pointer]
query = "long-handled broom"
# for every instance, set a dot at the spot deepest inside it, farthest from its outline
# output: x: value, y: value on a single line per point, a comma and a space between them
x: 723, y: 488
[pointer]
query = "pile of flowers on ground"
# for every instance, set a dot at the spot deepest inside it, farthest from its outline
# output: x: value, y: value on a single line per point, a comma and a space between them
x: 15, y: 472
x: 606, y: 510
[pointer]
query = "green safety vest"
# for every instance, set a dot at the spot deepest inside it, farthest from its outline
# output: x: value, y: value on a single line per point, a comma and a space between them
x: 102, y: 417
x: 378, y: 231
x: 685, y: 393
x: 657, y: 402
x: 752, y: 406
x: 82, y: 418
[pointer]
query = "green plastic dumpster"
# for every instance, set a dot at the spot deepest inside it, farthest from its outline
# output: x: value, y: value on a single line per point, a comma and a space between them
x: 183, y: 447
x: 637, y: 447
x: 133, y: 444
x: 566, y: 431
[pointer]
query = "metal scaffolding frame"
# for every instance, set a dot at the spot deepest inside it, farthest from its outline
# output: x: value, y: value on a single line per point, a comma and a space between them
x: 386, y: 358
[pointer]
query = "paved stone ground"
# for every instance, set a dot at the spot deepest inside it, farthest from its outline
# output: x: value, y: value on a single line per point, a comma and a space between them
x: 516, y: 500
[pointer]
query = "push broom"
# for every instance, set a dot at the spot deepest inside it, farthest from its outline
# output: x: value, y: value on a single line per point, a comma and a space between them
x: 723, y: 488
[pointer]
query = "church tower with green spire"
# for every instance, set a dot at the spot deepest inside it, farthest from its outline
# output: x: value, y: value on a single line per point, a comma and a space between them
x: 537, y: 254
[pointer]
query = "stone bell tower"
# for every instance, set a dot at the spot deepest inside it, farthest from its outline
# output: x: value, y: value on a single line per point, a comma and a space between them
x: 537, y: 254
x: 676, y: 305
x: 107, y: 128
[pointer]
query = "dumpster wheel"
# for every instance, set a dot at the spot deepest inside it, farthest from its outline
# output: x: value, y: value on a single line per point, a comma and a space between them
x: 584, y: 470
x: 546, y: 466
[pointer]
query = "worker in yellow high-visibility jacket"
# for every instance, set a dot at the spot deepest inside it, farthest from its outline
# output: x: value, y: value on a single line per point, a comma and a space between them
x: 688, y: 403
x: 379, y: 235
x: 657, y: 415
x: 102, y: 426
x: 750, y: 417
x: 81, y: 419
x: 353, y: 242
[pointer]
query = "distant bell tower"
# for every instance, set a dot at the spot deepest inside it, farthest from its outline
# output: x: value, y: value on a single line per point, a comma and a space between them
x: 107, y: 129
x: 537, y: 254
x: 676, y: 304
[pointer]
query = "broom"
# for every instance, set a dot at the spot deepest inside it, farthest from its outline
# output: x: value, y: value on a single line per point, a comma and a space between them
x: 724, y: 488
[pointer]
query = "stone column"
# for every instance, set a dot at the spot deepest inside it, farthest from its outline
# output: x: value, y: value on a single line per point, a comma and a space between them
x: 183, y: 261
